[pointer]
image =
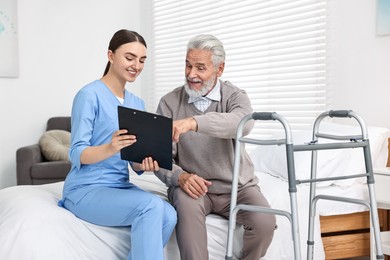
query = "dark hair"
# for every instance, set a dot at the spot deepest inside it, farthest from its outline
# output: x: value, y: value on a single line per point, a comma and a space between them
x: 122, y: 37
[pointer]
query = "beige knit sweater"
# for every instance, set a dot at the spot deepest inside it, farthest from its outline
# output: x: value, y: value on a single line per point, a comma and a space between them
x: 209, y: 152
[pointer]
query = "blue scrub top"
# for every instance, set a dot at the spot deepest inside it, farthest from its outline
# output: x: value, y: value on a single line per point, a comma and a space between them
x: 94, y: 120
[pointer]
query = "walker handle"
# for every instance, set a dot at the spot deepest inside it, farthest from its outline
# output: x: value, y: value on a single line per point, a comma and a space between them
x: 339, y: 113
x: 263, y: 115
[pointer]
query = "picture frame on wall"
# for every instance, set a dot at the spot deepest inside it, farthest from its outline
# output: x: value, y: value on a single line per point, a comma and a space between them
x: 9, y: 59
x: 383, y: 17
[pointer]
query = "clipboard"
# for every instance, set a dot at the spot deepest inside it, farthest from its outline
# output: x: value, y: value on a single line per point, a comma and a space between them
x: 154, y: 136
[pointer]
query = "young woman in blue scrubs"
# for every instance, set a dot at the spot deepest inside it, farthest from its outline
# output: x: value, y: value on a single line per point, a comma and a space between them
x: 97, y: 189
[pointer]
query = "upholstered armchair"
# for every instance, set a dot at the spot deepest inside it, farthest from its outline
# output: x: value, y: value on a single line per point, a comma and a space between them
x: 32, y: 167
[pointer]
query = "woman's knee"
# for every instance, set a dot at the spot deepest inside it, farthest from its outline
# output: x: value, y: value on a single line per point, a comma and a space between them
x: 156, y: 204
x: 170, y: 215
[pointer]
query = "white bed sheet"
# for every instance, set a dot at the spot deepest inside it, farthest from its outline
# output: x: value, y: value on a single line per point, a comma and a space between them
x: 32, y: 226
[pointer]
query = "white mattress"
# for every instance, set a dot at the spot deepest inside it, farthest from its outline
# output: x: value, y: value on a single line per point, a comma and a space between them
x: 32, y: 226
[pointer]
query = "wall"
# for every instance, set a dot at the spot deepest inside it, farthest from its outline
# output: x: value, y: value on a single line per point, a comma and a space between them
x: 360, y: 75
x: 62, y: 46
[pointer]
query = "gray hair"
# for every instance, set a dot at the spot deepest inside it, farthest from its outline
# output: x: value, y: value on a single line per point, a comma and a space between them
x: 210, y: 43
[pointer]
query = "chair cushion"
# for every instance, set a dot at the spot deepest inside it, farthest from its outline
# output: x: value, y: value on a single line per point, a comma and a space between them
x: 55, y: 145
x: 52, y: 170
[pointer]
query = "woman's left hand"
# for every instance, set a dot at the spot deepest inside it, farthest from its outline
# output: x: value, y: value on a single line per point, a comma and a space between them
x: 148, y: 164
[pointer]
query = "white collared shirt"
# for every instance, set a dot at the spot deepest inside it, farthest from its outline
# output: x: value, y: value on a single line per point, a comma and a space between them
x: 202, y: 103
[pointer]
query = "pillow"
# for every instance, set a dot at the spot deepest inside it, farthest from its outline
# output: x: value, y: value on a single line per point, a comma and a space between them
x: 330, y: 163
x: 55, y: 145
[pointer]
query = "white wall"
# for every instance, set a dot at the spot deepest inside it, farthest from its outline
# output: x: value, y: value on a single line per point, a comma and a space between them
x: 361, y: 78
x: 62, y: 46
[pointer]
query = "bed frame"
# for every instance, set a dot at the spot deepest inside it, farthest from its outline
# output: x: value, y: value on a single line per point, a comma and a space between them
x: 348, y: 235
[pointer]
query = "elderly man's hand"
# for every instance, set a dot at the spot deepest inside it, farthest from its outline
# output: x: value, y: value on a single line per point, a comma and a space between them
x: 182, y: 126
x: 194, y: 185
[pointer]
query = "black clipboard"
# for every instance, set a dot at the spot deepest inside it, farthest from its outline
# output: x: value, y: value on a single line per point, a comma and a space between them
x: 154, y: 136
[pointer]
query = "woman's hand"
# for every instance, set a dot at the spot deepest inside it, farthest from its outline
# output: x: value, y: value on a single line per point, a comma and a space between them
x: 147, y: 165
x: 120, y: 139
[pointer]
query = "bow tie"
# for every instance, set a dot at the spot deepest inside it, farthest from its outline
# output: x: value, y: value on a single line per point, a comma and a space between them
x: 196, y: 99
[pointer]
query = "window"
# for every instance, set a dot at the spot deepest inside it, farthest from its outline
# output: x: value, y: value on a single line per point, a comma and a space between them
x: 275, y: 50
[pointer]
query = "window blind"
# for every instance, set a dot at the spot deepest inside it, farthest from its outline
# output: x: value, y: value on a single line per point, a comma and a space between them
x: 275, y: 51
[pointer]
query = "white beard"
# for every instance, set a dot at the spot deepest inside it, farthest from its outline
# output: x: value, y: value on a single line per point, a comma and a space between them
x: 207, y: 86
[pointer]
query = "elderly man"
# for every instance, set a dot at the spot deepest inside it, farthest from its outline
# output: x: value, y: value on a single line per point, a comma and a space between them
x: 206, y: 112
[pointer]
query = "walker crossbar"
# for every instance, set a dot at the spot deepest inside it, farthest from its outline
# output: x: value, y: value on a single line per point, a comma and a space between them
x: 262, y: 210
x: 336, y: 178
x: 262, y: 142
x: 327, y: 146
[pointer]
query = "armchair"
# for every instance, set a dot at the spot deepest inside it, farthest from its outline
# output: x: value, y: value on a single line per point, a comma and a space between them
x: 32, y: 168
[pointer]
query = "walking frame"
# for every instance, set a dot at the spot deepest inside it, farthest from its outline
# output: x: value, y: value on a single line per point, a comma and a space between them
x: 339, y: 142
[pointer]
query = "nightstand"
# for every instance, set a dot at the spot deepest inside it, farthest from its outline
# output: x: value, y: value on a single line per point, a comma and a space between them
x: 382, y: 192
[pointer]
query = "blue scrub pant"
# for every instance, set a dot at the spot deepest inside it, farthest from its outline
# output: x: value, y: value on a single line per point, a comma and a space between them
x: 152, y: 219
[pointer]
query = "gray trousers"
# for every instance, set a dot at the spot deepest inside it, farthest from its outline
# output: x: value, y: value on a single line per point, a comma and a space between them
x: 191, y: 225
